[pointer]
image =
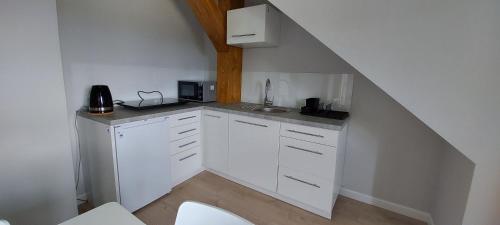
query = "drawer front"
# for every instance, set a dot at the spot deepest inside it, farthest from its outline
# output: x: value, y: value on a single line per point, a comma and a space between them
x: 311, y: 134
x: 305, y: 188
x: 308, y: 157
x: 184, y: 118
x: 185, y: 164
x: 185, y: 144
x: 177, y: 133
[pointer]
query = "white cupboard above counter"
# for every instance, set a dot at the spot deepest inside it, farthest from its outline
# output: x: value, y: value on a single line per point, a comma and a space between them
x: 278, y: 155
x: 255, y: 26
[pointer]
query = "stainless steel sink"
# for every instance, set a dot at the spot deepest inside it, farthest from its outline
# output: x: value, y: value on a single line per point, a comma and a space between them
x: 270, y: 109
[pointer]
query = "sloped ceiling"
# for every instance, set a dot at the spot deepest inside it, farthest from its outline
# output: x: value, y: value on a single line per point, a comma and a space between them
x: 438, y: 58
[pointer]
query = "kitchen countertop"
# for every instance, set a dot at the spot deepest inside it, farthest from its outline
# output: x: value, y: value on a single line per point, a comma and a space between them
x: 122, y: 115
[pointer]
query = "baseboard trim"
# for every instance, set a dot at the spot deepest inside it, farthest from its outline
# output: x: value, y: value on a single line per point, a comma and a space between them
x: 391, y: 206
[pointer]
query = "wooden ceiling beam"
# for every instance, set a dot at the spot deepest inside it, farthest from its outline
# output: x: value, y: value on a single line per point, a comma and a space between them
x: 212, y: 20
x: 212, y: 16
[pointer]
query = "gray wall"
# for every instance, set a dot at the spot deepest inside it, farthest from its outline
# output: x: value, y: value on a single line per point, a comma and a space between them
x: 391, y: 155
x: 130, y: 46
x: 36, y: 175
x: 298, y: 52
x: 437, y: 58
x: 453, y: 188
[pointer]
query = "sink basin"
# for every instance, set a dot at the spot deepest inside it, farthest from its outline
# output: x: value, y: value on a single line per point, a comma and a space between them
x: 270, y: 109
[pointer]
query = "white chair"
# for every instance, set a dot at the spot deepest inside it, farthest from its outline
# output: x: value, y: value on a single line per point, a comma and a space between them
x: 4, y: 222
x: 195, y: 213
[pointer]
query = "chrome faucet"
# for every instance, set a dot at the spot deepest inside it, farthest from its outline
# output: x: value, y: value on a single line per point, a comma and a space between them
x: 267, y: 101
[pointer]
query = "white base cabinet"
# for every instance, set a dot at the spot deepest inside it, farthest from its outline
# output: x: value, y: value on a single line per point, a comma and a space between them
x: 185, y: 146
x: 253, y: 150
x: 215, y: 140
x: 136, y: 163
x: 298, y: 164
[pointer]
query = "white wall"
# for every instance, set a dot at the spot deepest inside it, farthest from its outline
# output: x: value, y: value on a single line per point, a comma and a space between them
x: 130, y: 46
x: 36, y: 176
x: 439, y: 59
x: 453, y: 187
x: 391, y: 155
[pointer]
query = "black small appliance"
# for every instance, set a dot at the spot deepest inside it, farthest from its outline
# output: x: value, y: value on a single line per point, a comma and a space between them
x: 197, y: 91
x: 312, y: 108
x: 100, y: 100
x: 312, y: 104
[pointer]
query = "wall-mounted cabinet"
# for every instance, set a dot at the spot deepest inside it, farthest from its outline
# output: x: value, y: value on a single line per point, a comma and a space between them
x: 255, y: 26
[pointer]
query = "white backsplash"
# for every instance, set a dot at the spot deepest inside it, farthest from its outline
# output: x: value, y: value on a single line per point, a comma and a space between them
x: 291, y: 89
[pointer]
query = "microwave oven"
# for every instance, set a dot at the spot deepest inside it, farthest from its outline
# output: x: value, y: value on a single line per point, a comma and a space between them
x: 197, y: 91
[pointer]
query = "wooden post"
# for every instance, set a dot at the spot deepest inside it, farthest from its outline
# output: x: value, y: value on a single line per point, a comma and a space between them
x: 212, y: 16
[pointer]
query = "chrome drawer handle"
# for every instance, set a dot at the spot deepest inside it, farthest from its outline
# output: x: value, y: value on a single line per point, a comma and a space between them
x: 301, y: 181
x: 305, y: 150
x: 218, y: 117
x: 254, y: 124
x: 185, y: 118
x: 183, y: 132
x: 243, y: 35
x: 304, y: 133
x: 184, y: 145
x: 187, y: 157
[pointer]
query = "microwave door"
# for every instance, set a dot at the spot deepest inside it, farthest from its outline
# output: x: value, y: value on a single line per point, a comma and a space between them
x: 188, y: 90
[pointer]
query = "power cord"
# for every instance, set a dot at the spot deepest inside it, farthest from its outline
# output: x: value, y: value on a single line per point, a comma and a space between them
x: 149, y: 92
x: 79, y: 155
x: 118, y: 101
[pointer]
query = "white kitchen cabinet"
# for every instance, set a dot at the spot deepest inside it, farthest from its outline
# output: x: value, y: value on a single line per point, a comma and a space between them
x: 308, y: 157
x: 306, y: 188
x: 215, y: 140
x: 185, y: 144
x: 311, y: 166
x: 253, y: 150
x: 298, y: 164
x: 311, y: 134
x: 185, y: 164
x: 128, y: 163
x: 186, y: 153
x: 255, y: 26
x: 184, y: 118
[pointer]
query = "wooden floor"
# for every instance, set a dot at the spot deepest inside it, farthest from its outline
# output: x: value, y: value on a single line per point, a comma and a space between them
x: 259, y: 208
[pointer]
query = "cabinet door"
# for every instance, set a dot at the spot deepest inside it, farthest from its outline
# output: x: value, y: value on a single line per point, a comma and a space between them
x: 253, y: 150
x: 143, y: 161
x: 246, y: 25
x: 215, y: 140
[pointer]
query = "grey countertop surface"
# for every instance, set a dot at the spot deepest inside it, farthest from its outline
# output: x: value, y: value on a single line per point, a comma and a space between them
x: 122, y: 115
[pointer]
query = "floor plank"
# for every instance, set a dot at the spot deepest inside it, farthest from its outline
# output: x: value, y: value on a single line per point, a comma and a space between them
x: 259, y: 208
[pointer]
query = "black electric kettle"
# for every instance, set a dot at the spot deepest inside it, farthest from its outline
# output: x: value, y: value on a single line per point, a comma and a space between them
x: 100, y: 100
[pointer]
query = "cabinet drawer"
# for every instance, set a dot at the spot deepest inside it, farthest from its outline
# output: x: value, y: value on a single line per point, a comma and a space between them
x: 211, y: 114
x: 177, y: 133
x: 311, y: 134
x: 184, y: 118
x: 305, y: 188
x: 185, y: 164
x: 184, y: 144
x: 308, y: 157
